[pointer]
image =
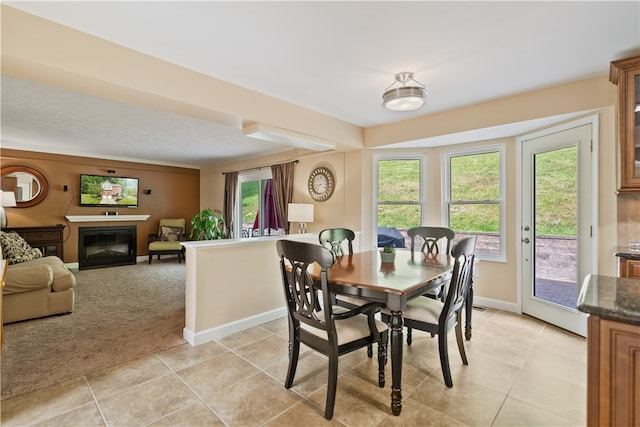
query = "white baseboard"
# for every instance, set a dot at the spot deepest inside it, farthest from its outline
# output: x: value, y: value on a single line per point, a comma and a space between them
x: 231, y: 328
x: 497, y: 304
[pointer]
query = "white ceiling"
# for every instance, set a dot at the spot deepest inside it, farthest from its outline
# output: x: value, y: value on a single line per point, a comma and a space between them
x: 333, y: 57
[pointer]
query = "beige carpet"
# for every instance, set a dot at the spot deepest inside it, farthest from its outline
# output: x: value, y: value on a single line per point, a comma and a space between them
x: 121, y: 314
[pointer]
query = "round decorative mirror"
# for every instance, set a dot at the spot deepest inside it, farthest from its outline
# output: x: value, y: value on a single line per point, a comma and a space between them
x: 29, y: 186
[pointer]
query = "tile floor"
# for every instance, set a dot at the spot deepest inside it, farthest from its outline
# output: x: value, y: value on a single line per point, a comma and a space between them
x: 521, y: 372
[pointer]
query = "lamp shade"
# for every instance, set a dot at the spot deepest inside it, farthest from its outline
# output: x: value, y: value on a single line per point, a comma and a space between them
x: 300, y: 212
x: 7, y: 199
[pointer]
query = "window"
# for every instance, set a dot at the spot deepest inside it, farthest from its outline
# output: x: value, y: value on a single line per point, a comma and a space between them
x: 257, y: 209
x: 474, y: 200
x: 399, y: 199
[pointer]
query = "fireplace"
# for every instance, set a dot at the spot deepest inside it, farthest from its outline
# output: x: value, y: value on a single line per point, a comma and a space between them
x: 106, y: 246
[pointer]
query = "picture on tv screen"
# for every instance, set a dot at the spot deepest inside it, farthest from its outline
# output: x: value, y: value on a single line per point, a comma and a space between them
x: 108, y: 191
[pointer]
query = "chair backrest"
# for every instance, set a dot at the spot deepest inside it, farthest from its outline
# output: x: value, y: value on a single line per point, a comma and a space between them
x: 178, y: 222
x: 463, y: 255
x: 430, y: 236
x: 301, y: 294
x: 333, y: 238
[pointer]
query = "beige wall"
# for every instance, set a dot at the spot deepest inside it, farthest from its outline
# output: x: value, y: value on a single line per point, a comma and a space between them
x: 352, y: 202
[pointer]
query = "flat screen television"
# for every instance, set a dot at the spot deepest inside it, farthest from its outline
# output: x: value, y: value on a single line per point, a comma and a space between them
x: 108, y: 191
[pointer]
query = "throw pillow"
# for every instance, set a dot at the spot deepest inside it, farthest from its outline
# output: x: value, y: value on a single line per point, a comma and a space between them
x: 15, y: 249
x: 171, y: 234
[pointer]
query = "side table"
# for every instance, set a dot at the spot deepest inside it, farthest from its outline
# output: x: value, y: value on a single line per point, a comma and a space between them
x: 48, y: 239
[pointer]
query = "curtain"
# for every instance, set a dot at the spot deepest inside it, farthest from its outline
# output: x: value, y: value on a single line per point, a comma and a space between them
x: 283, y: 188
x: 230, y: 186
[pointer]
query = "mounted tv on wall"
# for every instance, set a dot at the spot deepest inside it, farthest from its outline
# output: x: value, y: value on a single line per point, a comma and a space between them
x: 108, y: 191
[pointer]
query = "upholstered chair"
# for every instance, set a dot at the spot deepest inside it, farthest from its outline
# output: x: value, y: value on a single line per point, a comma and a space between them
x: 167, y: 241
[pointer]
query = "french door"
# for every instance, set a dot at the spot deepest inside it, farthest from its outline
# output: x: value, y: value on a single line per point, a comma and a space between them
x: 558, y: 210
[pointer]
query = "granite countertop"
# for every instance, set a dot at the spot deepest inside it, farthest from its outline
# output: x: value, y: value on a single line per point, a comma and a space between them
x: 613, y: 298
x: 625, y: 252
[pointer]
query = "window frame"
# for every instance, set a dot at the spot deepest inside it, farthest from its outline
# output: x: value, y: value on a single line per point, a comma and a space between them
x: 501, y: 201
x: 377, y: 157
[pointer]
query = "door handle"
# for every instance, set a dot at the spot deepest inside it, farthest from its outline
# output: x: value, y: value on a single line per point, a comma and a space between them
x: 526, y: 240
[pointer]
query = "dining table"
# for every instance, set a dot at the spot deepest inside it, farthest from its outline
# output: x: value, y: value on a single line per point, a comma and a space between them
x: 363, y: 275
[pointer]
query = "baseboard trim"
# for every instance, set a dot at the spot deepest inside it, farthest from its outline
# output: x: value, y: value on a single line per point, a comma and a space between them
x: 239, y: 325
x: 222, y: 331
x: 497, y: 304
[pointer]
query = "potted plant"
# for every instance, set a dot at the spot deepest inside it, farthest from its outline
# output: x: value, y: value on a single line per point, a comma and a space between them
x: 208, y: 224
x: 388, y: 254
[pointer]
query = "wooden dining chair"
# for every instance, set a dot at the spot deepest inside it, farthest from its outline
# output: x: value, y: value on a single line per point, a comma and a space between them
x: 437, y: 317
x: 432, y: 241
x: 335, y: 239
x: 317, y: 323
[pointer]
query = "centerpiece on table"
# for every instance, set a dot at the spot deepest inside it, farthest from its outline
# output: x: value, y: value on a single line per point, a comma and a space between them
x: 388, y: 254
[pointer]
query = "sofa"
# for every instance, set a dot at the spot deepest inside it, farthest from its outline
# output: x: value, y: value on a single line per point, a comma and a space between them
x: 35, y: 286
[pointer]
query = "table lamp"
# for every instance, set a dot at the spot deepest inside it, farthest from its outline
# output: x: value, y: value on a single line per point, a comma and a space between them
x: 7, y: 200
x: 301, y: 213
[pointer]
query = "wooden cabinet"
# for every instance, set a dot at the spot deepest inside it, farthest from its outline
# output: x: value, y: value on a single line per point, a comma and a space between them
x: 613, y: 391
x: 48, y: 239
x: 626, y: 74
x: 630, y: 268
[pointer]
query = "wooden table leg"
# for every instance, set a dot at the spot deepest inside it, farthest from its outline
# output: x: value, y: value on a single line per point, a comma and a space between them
x: 396, y: 362
x: 468, y: 310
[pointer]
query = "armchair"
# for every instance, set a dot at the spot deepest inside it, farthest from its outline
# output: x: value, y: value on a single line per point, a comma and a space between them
x: 167, y: 241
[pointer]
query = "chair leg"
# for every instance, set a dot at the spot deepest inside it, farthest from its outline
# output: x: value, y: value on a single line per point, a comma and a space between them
x: 459, y: 339
x: 294, y: 351
x: 409, y: 336
x: 444, y: 358
x: 370, y: 351
x: 150, y: 256
x: 332, y: 385
x: 382, y: 357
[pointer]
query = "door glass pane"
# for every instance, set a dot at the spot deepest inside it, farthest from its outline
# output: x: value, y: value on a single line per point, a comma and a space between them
x: 555, y: 222
x: 259, y: 215
x: 250, y: 192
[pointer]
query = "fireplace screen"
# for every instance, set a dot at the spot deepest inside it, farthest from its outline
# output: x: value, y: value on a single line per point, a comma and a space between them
x: 106, y: 246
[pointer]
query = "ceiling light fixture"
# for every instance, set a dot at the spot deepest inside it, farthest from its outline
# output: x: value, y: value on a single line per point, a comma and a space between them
x: 287, y: 137
x: 409, y: 96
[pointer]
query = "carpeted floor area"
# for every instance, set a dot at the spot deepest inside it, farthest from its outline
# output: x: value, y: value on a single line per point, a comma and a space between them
x: 121, y: 314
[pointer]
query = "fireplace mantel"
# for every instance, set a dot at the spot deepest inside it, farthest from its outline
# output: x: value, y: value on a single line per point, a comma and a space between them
x: 106, y: 218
